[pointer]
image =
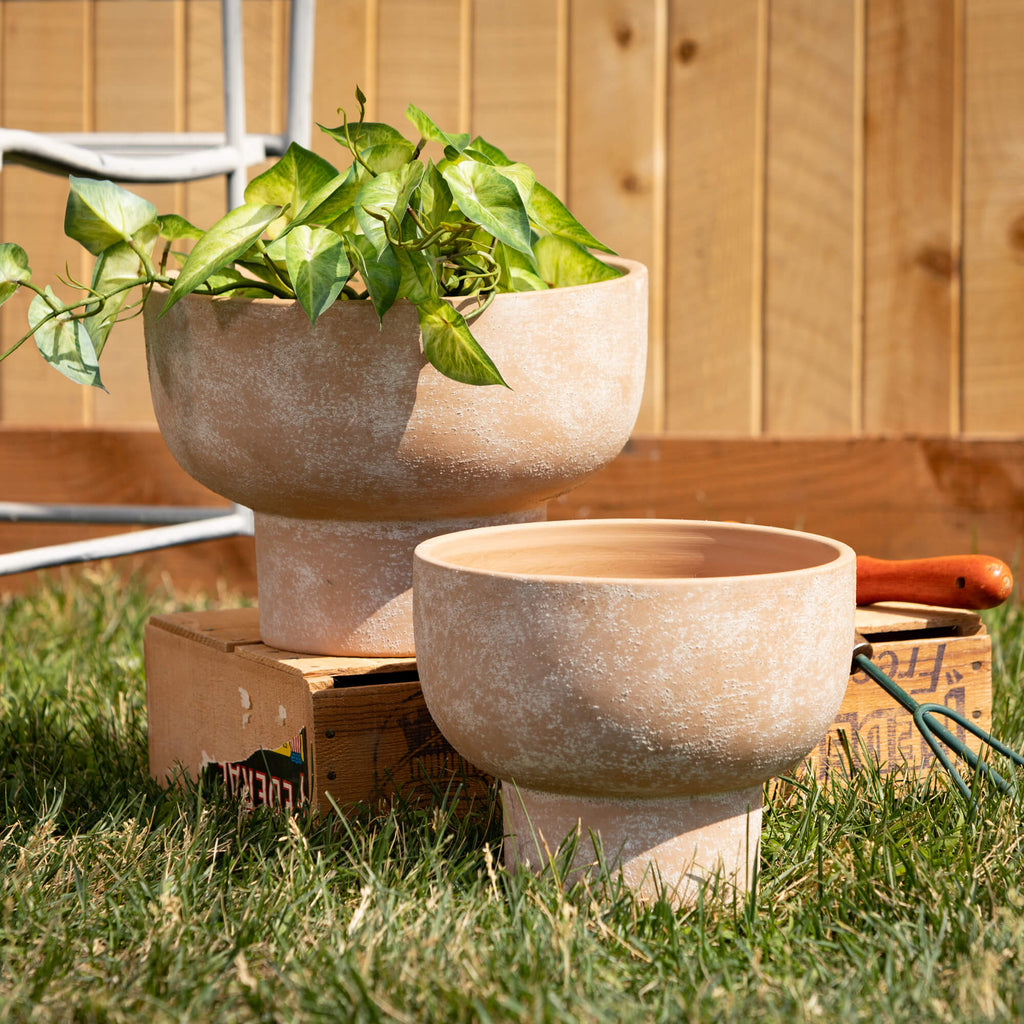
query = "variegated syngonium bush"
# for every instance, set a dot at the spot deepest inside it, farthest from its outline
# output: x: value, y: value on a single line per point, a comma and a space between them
x: 391, y: 226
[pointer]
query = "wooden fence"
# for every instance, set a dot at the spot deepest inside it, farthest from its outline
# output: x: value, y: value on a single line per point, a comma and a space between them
x: 829, y: 193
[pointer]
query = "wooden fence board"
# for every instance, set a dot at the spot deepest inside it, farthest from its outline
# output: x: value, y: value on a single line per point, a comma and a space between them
x: 419, y: 60
x: 205, y: 201
x: 617, y: 130
x: 811, y: 320
x: 336, y: 75
x: 993, y: 348
x: 734, y: 164
x: 715, y: 92
x: 518, y: 42
x: 135, y: 88
x: 888, y: 497
x: 912, y: 221
x: 43, y: 43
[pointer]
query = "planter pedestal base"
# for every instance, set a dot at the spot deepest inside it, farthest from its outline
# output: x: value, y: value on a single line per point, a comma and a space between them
x: 677, y: 843
x: 345, y: 588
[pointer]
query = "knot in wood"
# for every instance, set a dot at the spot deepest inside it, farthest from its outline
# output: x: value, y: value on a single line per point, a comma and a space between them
x: 686, y: 51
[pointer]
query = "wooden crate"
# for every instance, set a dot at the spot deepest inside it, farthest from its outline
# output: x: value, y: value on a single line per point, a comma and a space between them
x: 937, y: 655
x: 286, y: 728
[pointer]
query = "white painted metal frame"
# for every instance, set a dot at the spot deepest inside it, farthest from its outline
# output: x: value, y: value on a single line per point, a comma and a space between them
x: 165, y: 157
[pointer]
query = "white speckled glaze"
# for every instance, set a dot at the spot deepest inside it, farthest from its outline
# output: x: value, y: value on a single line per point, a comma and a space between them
x: 627, y: 674
x: 350, y: 448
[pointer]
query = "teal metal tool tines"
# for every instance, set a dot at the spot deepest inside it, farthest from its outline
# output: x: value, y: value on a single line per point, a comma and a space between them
x: 936, y: 734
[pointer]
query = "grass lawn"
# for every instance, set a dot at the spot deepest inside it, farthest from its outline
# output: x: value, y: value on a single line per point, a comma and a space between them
x: 878, y: 900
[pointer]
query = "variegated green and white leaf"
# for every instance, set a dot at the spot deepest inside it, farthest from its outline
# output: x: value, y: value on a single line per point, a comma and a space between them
x: 100, y: 214
x: 318, y: 267
x: 450, y: 347
x: 64, y: 342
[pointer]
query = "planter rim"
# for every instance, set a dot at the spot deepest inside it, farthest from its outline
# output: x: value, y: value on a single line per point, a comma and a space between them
x: 443, y: 551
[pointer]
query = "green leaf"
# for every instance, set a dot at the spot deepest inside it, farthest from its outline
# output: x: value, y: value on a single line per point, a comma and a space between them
x: 386, y: 157
x: 297, y: 178
x: 418, y: 281
x: 518, y: 271
x: 318, y: 267
x: 333, y: 200
x: 435, y: 196
x: 563, y: 263
x: 64, y: 343
x: 550, y: 213
x: 491, y: 154
x: 366, y: 134
x: 386, y: 195
x: 522, y: 177
x: 485, y: 196
x: 429, y: 130
x: 174, y: 228
x: 14, y: 269
x: 117, y: 266
x: 100, y: 214
x: 381, y: 275
x: 222, y: 244
x: 450, y: 347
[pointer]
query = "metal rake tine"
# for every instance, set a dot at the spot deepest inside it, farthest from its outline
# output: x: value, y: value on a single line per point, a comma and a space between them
x: 976, y: 761
x: 933, y: 731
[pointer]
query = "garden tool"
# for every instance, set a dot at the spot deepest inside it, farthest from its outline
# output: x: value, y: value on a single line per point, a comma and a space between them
x: 956, y: 581
x: 935, y: 733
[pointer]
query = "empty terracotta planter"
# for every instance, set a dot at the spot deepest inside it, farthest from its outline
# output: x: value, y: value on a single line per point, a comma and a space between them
x: 638, y: 678
x: 350, y: 448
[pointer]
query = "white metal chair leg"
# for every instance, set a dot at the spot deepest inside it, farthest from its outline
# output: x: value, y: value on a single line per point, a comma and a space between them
x: 236, y: 523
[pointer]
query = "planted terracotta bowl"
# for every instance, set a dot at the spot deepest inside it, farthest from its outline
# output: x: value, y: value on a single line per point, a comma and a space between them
x: 351, y: 449
x: 635, y: 679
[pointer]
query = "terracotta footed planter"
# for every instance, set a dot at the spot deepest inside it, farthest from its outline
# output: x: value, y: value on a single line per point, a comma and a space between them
x: 350, y: 449
x: 638, y: 678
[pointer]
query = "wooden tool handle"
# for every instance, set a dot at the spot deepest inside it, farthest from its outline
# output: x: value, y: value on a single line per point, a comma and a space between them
x: 952, y: 581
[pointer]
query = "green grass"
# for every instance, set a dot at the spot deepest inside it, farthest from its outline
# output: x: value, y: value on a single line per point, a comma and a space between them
x: 877, y: 900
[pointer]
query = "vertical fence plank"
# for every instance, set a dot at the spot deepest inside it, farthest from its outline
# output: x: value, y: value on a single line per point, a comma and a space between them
x: 993, y: 295
x: 616, y: 181
x: 754, y: 165
x: 43, y: 72
x: 811, y: 333
x: 517, y: 43
x: 419, y: 54
x: 206, y: 200
x: 134, y: 89
x: 265, y: 34
x: 339, y: 65
x: 715, y: 94
x: 912, y: 219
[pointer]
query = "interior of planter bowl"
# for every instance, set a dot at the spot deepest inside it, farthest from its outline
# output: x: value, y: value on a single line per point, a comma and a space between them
x: 634, y: 549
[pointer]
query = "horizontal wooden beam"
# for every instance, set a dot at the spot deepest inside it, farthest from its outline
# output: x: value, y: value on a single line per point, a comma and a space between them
x: 889, y: 497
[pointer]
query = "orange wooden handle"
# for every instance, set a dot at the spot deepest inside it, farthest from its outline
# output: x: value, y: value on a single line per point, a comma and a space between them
x: 952, y: 581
